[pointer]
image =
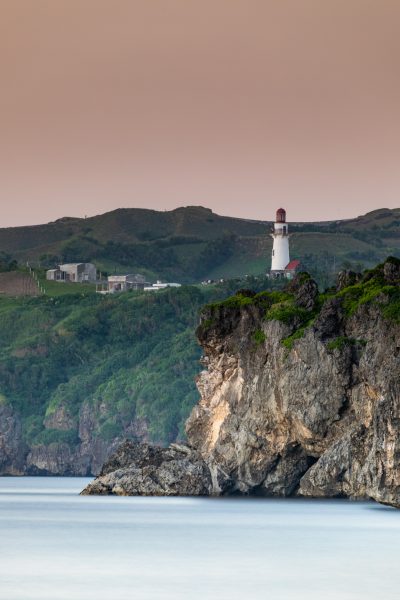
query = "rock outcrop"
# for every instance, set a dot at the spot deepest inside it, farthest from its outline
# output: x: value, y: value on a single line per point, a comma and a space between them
x: 140, y: 469
x: 12, y: 448
x: 300, y: 396
x: 83, y: 456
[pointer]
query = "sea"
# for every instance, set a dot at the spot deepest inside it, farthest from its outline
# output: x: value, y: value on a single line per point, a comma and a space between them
x: 58, y: 545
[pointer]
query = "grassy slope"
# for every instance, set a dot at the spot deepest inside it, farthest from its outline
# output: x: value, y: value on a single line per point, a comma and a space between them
x: 130, y: 355
x: 373, y: 287
x: 136, y: 355
x: 126, y: 226
x: 188, y: 244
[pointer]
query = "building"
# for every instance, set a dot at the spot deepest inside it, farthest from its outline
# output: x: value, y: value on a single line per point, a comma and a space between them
x: 125, y: 283
x: 281, y: 265
x: 54, y: 275
x: 161, y: 286
x: 73, y: 272
x: 292, y: 268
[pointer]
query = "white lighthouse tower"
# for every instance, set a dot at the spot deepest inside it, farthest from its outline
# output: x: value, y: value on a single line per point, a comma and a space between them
x: 280, y: 251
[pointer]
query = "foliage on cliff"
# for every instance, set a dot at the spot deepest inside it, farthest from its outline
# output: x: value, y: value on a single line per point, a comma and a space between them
x: 124, y: 365
x: 132, y: 357
x: 300, y: 302
x: 315, y: 415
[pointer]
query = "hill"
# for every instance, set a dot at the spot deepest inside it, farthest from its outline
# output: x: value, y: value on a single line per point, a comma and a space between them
x: 78, y: 372
x: 300, y: 396
x: 193, y: 243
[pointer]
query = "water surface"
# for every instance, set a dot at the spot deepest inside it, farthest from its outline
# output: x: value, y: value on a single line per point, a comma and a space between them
x: 57, y: 545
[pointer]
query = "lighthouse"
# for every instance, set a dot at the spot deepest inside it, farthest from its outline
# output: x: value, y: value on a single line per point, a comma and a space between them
x: 280, y: 263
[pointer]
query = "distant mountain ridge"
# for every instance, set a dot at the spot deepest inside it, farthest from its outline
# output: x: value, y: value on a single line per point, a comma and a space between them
x: 191, y: 243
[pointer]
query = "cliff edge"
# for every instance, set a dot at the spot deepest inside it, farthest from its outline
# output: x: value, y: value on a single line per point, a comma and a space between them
x: 300, y: 394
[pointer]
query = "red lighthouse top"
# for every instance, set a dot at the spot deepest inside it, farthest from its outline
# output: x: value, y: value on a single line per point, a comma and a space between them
x: 281, y: 215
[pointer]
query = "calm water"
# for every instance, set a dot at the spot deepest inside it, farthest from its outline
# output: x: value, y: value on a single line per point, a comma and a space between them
x: 57, y: 545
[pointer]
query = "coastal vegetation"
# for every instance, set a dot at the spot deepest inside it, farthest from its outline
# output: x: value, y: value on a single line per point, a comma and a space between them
x: 131, y: 356
x: 192, y: 243
x: 379, y: 286
x: 130, y: 360
x: 135, y: 355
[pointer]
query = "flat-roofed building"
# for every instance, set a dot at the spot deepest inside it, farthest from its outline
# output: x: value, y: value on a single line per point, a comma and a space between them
x: 125, y: 283
x: 161, y: 286
x: 73, y: 272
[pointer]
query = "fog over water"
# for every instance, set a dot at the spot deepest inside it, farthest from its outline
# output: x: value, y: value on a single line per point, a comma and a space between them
x: 57, y: 545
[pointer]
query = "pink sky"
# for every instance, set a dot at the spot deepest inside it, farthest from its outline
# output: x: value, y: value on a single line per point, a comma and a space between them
x: 238, y: 105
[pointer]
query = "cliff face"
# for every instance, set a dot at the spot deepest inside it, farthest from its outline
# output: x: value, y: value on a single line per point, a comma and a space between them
x: 12, y: 448
x: 140, y: 469
x: 318, y: 417
x: 301, y: 392
x: 82, y: 456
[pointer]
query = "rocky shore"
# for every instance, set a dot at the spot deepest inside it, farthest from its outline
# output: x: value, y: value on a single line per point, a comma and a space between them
x: 300, y: 395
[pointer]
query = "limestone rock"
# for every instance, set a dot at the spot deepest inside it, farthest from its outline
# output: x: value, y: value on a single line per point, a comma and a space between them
x: 346, y: 278
x: 143, y: 470
x: 12, y: 448
x: 322, y: 419
x: 317, y: 414
x: 391, y: 270
x: 306, y: 294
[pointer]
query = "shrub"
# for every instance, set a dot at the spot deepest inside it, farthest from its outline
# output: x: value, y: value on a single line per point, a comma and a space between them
x: 289, y: 341
x: 392, y: 310
x: 259, y: 337
x: 56, y: 436
x: 206, y: 324
x: 342, y: 341
x: 365, y: 293
x: 109, y: 430
x: 233, y: 302
x: 287, y: 313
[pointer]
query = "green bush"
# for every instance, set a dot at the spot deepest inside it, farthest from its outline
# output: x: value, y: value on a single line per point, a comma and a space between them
x: 288, y: 342
x: 206, y: 324
x: 56, y: 436
x: 109, y: 430
x: 342, y: 342
x: 259, y: 337
x: 366, y: 293
x: 236, y: 301
x: 392, y: 310
x: 287, y: 313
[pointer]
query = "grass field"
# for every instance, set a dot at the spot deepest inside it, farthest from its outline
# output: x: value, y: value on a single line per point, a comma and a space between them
x: 61, y: 288
x: 191, y: 244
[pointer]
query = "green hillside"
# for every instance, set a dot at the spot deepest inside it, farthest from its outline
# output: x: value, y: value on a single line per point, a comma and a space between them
x: 193, y: 243
x: 124, y: 365
x: 135, y: 354
x: 132, y: 357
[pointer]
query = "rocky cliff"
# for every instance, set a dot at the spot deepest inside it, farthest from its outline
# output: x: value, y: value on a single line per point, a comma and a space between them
x: 300, y: 394
x: 83, y: 455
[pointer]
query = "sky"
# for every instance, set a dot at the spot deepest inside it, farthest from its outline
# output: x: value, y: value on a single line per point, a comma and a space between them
x: 238, y: 105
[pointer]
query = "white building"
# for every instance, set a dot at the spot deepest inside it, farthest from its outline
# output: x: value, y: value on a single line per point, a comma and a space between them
x: 281, y: 266
x: 73, y: 272
x: 161, y: 286
x: 124, y: 283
